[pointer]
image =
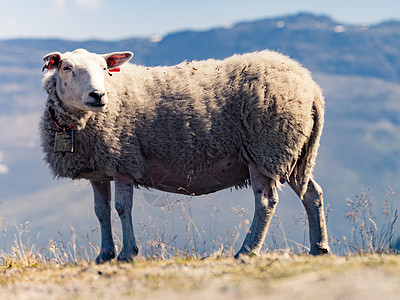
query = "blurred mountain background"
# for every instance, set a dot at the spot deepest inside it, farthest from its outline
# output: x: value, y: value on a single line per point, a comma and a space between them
x: 358, y: 68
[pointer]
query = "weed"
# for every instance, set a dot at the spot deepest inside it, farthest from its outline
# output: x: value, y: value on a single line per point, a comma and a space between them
x: 23, y: 252
x: 369, y: 233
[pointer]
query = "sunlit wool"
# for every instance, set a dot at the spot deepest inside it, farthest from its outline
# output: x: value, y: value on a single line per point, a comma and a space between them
x: 261, y: 105
x: 194, y: 128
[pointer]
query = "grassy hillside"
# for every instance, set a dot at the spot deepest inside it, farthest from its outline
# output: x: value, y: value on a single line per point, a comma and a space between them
x: 273, y: 276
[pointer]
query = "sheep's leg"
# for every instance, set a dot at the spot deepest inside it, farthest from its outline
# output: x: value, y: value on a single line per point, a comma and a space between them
x: 102, y: 208
x: 314, y: 205
x: 266, y: 199
x: 123, y: 205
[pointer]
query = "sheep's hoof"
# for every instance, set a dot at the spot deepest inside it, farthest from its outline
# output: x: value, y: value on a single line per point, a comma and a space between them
x: 320, y: 250
x: 244, y: 255
x: 125, y: 258
x: 105, y: 256
x: 128, y: 255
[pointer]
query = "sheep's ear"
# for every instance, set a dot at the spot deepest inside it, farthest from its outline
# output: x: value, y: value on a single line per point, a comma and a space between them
x: 114, y: 60
x: 52, y: 61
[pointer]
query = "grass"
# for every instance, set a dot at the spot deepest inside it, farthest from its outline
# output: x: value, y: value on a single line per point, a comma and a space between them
x: 368, y: 235
x: 179, y: 277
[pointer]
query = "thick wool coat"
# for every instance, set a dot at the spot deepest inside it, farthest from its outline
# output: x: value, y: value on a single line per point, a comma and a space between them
x: 262, y: 106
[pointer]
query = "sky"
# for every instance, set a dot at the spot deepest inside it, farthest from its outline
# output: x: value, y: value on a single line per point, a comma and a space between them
x: 117, y: 19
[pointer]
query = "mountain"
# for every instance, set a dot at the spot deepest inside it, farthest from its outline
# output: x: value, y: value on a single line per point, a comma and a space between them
x: 357, y: 67
x: 320, y: 43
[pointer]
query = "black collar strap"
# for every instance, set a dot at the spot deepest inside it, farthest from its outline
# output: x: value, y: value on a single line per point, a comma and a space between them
x: 53, y: 117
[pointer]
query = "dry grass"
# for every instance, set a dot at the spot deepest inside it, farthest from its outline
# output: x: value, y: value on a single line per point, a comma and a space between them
x: 272, y: 275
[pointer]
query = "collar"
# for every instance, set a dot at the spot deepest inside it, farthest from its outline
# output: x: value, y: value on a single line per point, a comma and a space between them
x: 53, y: 117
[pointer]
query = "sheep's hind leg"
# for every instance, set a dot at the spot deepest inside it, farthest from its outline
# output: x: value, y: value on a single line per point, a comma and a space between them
x: 266, y: 199
x: 313, y: 203
x: 123, y: 205
x: 102, y: 208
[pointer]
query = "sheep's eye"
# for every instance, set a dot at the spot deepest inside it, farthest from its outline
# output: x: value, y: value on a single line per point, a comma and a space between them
x: 67, y: 68
x: 104, y: 69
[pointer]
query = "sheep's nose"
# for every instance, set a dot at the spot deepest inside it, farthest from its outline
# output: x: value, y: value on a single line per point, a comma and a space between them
x: 97, y: 96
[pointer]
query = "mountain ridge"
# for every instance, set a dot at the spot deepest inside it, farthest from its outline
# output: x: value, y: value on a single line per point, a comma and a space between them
x: 317, y: 41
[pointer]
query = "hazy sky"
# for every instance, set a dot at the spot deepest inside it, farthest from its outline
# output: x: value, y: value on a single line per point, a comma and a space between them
x: 115, y: 19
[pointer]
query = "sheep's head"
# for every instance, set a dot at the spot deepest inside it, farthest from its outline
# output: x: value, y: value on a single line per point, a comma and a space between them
x: 81, y: 75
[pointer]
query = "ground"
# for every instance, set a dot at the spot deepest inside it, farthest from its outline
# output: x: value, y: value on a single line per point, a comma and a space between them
x: 271, y: 276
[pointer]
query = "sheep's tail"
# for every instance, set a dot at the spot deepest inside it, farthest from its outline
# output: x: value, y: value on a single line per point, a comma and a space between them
x: 305, y: 164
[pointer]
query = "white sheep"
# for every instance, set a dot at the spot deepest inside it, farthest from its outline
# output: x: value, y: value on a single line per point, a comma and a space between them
x: 194, y: 128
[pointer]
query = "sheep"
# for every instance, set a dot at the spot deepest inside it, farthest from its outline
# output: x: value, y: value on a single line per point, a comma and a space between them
x: 193, y: 128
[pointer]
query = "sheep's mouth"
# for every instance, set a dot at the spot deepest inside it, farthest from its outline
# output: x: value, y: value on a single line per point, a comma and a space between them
x: 95, y: 105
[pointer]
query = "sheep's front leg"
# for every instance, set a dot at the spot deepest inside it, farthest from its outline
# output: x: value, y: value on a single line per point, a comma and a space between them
x: 266, y: 199
x: 123, y: 205
x: 102, y: 209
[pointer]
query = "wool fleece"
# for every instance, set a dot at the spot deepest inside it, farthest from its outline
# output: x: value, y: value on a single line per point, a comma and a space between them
x: 262, y: 107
